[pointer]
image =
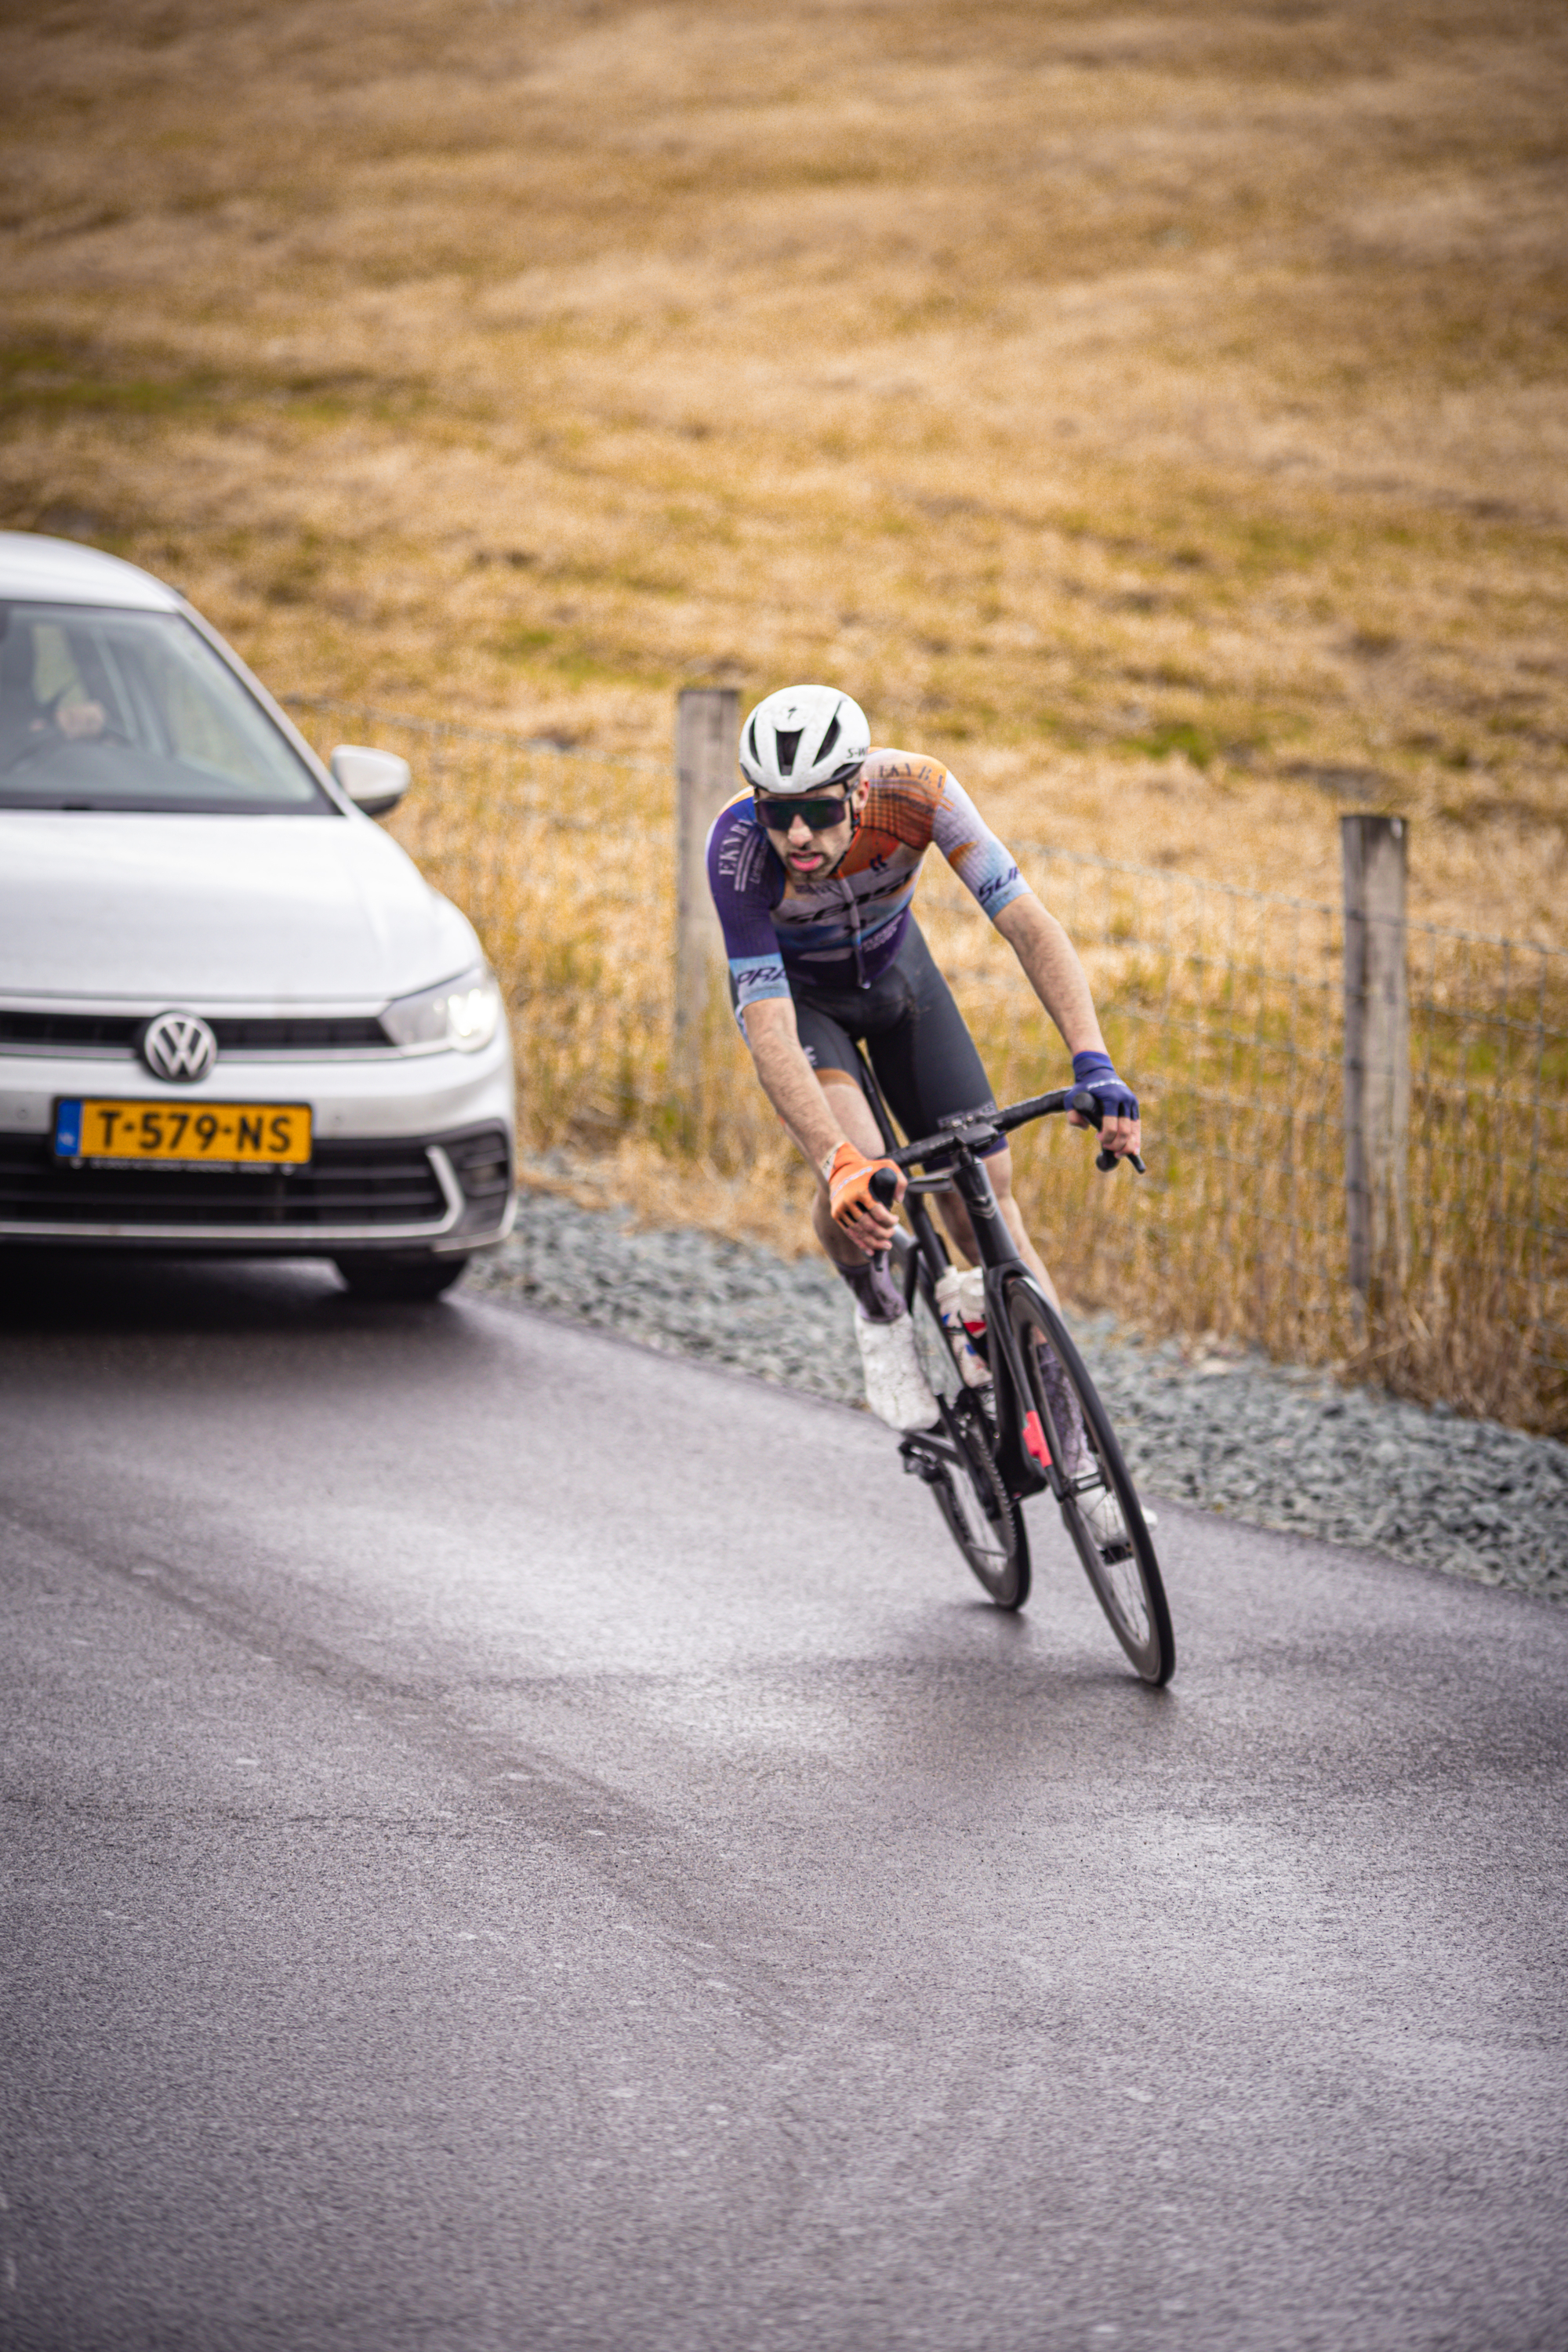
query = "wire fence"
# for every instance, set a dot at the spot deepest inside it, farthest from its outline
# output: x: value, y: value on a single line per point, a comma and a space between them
x: 1228, y: 1006
x: 1225, y: 1005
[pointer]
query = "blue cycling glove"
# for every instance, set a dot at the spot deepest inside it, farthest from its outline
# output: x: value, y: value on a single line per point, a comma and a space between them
x: 1095, y: 1074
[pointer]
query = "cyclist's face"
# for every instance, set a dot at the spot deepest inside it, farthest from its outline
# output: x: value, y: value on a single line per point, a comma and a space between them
x: 806, y: 853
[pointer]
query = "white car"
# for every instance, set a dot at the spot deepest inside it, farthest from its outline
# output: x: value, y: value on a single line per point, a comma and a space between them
x: 234, y: 1017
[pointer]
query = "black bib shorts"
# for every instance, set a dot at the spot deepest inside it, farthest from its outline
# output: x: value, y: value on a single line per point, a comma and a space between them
x: 926, y: 1062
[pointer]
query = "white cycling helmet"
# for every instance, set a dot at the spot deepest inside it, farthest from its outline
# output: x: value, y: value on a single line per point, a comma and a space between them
x: 802, y: 737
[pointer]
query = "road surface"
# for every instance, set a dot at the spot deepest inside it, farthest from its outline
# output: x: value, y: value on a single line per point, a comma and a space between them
x: 513, y: 1841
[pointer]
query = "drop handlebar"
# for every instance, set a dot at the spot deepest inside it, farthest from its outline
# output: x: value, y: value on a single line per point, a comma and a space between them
x: 985, y: 1127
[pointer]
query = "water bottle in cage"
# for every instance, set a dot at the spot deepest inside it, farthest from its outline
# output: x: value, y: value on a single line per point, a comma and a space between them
x: 961, y: 1303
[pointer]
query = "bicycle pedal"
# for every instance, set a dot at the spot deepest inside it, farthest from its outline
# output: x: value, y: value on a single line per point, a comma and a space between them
x: 920, y: 1464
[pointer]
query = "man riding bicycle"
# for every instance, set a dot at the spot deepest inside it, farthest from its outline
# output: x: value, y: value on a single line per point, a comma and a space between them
x: 813, y: 872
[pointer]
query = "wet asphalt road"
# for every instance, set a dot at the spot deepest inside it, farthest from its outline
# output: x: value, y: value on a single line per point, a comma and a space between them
x: 511, y: 1840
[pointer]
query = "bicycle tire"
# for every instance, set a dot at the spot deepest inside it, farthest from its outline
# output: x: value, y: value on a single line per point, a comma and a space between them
x: 983, y: 1519
x: 1125, y: 1577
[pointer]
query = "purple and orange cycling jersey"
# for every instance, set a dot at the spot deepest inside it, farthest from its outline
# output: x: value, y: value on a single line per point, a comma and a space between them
x: 844, y: 931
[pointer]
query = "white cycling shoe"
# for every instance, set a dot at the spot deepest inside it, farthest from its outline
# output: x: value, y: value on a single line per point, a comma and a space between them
x: 1101, y: 1511
x: 1102, y: 1517
x: 896, y: 1389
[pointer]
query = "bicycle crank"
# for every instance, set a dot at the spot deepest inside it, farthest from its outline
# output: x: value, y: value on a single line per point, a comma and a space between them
x: 920, y: 1462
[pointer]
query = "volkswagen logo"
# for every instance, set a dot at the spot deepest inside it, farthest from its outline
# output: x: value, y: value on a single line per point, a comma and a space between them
x: 177, y: 1045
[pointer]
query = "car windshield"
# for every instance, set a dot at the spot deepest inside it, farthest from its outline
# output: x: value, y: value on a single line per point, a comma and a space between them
x: 136, y: 710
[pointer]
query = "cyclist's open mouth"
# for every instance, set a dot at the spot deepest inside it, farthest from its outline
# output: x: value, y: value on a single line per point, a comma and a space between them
x: 806, y: 861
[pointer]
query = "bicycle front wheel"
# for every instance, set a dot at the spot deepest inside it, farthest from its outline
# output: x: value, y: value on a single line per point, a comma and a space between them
x: 1099, y: 1503
x: 958, y: 1460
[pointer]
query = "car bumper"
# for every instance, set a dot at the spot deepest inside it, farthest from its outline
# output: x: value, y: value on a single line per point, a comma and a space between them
x: 408, y: 1153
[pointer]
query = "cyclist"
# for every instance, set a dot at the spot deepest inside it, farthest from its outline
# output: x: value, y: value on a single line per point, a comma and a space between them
x: 812, y: 870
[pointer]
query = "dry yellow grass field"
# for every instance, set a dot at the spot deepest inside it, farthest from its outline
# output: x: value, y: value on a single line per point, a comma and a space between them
x: 1161, y: 414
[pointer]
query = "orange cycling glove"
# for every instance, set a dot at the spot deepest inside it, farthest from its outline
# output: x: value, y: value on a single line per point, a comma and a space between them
x: 849, y: 1174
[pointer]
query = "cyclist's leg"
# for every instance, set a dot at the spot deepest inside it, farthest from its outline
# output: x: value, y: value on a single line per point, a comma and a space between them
x: 929, y: 1067
x: 896, y: 1386
x: 955, y: 1216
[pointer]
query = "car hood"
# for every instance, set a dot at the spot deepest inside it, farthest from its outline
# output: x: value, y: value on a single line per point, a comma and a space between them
x: 205, y: 910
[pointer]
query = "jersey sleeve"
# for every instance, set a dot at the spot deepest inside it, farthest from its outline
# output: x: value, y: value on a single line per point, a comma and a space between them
x: 743, y: 878
x: 983, y: 865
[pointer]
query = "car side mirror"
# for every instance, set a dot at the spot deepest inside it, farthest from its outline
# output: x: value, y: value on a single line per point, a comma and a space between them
x: 374, y: 781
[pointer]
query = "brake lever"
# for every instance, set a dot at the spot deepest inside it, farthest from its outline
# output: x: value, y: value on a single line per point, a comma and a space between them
x: 884, y: 1187
x: 1089, y: 1107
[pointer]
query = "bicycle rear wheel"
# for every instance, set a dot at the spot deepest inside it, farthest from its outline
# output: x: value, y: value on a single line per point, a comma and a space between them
x: 958, y: 1460
x: 1099, y: 1504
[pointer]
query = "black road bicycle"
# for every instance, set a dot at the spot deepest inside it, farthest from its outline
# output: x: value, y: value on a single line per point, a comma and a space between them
x: 1019, y: 1414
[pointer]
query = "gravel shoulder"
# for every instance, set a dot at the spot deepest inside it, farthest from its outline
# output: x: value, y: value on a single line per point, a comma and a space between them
x: 1269, y: 1444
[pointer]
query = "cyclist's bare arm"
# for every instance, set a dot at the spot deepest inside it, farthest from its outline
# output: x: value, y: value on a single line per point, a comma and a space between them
x: 1051, y: 965
x: 802, y: 1102
x: 789, y: 1081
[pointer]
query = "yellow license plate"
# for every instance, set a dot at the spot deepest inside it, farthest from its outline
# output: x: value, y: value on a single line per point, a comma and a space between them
x: 201, y: 1135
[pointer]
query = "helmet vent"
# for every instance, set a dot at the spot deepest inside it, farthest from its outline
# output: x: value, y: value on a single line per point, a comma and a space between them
x: 751, y: 739
x: 828, y: 741
x: 789, y: 744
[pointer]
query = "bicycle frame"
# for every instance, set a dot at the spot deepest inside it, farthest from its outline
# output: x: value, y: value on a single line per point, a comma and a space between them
x: 999, y: 1256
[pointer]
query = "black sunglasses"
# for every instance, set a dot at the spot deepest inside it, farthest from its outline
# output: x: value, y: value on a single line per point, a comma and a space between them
x: 820, y: 815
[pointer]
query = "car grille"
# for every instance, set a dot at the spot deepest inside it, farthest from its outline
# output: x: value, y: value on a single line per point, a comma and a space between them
x: 69, y: 1032
x: 305, y: 1035
x: 116, y: 1033
x: 387, y: 1182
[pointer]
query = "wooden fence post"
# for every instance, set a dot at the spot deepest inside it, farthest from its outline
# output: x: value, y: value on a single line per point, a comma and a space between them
x: 708, y: 727
x: 1377, y: 1055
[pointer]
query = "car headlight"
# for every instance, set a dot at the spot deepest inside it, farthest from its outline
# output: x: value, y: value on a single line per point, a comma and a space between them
x: 463, y: 1013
